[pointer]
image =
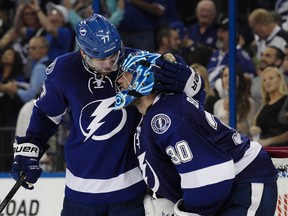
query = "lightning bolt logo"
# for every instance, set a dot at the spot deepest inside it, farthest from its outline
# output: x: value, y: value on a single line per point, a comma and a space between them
x: 104, y: 108
x: 143, y: 163
x: 160, y: 123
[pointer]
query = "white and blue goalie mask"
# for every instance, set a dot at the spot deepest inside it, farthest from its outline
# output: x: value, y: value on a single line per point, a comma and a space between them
x: 135, y: 78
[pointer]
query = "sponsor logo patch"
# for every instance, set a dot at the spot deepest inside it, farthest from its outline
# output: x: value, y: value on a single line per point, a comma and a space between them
x: 160, y: 123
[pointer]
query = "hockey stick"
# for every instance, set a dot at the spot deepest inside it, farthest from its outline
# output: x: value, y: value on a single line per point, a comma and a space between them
x: 11, y: 193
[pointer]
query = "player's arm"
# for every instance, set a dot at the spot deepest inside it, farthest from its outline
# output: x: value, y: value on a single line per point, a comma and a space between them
x: 174, y: 75
x: 45, y: 119
x: 206, y: 172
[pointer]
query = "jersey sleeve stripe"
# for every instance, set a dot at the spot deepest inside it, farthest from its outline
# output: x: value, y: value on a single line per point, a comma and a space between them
x: 249, y: 156
x: 208, y: 176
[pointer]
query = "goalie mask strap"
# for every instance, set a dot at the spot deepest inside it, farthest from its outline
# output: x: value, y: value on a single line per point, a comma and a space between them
x: 134, y: 93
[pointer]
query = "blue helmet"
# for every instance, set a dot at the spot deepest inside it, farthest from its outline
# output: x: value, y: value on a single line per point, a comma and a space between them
x: 98, y: 38
x: 139, y: 65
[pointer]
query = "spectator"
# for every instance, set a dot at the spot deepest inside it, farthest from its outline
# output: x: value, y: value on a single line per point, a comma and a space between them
x: 26, y: 25
x: 266, y: 31
x: 220, y: 58
x: 141, y: 21
x: 191, y: 51
x: 77, y: 11
x: 168, y: 40
x: 38, y: 50
x: 281, y: 8
x: 170, y: 15
x: 211, y: 95
x: 205, y: 30
x: 274, y: 93
x: 271, y: 56
x: 7, y: 8
x: 245, y: 105
x: 58, y: 32
x: 283, y: 114
x: 10, y: 69
x: 285, y: 62
x: 114, y: 10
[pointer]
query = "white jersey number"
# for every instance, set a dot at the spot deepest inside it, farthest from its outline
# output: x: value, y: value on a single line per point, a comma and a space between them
x: 181, y: 153
x: 236, y: 137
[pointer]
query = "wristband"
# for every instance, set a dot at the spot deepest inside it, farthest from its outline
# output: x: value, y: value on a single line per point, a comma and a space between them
x: 26, y: 150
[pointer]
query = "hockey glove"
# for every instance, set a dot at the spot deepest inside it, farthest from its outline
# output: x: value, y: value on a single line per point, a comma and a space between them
x: 178, y: 212
x: 157, y: 207
x: 26, y: 160
x: 171, y: 76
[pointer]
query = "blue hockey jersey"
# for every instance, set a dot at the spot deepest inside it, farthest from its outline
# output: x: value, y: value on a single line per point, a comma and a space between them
x: 186, y: 152
x: 101, y: 164
x: 218, y: 60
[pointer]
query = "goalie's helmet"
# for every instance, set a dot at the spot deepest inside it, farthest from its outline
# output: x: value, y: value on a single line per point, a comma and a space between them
x: 138, y: 78
x: 98, y: 38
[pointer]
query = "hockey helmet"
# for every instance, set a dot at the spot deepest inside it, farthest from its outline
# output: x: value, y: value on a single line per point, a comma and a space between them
x: 98, y: 38
x: 139, y: 78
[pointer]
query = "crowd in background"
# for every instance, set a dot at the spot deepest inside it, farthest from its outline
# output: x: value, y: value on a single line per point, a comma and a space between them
x: 34, y: 32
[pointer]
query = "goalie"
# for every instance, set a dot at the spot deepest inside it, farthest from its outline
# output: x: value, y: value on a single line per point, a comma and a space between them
x: 190, y: 157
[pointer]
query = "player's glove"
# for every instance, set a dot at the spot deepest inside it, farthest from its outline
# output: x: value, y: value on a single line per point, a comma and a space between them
x: 178, y: 212
x: 26, y: 160
x: 157, y: 207
x: 171, y: 76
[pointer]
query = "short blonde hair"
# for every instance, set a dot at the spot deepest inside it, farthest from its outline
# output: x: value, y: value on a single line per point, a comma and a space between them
x: 283, y: 89
x: 261, y: 16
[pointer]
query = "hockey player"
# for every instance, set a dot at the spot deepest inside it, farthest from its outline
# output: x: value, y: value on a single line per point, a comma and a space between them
x: 102, y: 175
x: 189, y: 156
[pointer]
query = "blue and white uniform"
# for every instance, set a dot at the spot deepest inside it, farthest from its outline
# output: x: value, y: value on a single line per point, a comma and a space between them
x: 187, y: 153
x: 101, y: 165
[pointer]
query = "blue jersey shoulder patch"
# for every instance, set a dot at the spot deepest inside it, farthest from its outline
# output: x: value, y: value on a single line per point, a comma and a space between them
x: 160, y: 123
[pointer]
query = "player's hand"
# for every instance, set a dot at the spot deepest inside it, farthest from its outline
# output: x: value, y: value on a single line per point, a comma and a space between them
x: 26, y: 160
x: 156, y: 207
x: 174, y: 77
x: 170, y: 76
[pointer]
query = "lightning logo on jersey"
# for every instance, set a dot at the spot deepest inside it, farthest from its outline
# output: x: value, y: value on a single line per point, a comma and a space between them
x: 144, y: 164
x: 99, y: 110
x: 160, y: 123
x: 145, y: 167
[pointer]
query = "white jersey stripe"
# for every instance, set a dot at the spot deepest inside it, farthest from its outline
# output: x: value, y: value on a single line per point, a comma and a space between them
x: 209, y: 175
x: 248, y: 157
x: 103, y: 185
x: 256, y: 196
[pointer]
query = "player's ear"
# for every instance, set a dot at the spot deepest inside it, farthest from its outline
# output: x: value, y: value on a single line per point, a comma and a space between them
x: 83, y: 54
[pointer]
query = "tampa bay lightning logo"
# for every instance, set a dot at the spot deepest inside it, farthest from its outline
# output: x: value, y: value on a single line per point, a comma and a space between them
x: 82, y: 31
x: 50, y: 68
x: 148, y: 173
x: 160, y: 123
x: 99, y: 121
